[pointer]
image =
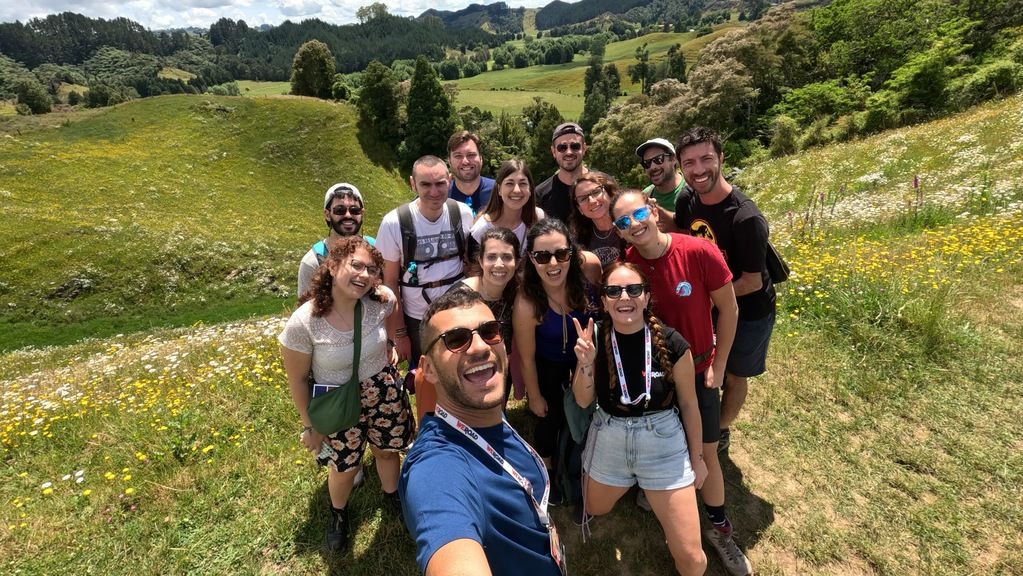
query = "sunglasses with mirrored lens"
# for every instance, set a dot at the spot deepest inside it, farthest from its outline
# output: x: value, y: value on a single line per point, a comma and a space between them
x: 458, y: 340
x: 659, y: 159
x: 575, y: 146
x: 615, y: 292
x: 639, y: 215
x: 345, y: 210
x: 544, y: 256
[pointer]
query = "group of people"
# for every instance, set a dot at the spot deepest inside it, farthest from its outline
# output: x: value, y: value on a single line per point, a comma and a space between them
x: 631, y: 320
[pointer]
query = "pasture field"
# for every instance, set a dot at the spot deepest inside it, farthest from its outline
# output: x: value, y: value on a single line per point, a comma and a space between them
x: 253, y: 88
x: 171, y: 210
x: 885, y: 438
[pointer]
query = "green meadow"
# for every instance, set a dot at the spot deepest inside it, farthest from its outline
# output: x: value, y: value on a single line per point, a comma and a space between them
x: 884, y: 439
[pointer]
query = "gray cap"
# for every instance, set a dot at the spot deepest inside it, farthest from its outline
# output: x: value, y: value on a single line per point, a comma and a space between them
x: 337, y: 189
x: 567, y: 128
x: 659, y: 142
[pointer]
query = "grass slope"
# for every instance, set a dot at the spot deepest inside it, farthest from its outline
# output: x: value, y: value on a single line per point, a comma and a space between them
x: 885, y: 438
x: 169, y: 210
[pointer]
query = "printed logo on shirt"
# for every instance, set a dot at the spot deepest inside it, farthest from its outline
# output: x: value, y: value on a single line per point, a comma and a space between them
x: 701, y: 229
x: 436, y: 246
x: 652, y: 374
x: 683, y: 289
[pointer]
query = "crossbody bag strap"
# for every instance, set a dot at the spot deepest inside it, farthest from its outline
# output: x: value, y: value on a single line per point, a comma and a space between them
x: 357, y: 329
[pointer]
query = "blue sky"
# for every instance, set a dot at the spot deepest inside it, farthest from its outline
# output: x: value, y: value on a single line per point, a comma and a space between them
x: 160, y: 14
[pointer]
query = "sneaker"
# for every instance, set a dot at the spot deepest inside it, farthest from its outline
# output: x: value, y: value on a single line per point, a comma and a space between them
x: 723, y: 442
x: 642, y: 502
x: 337, y: 530
x: 360, y: 477
x: 734, y: 560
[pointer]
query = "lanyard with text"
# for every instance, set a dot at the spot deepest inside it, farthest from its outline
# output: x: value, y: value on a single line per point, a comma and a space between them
x: 557, y: 549
x: 648, y: 366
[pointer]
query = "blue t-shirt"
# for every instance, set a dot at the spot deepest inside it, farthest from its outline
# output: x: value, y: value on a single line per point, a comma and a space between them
x: 451, y: 489
x: 479, y: 199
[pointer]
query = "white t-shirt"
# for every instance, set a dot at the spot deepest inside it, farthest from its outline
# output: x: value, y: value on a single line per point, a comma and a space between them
x: 306, y: 270
x: 433, y: 239
x: 333, y: 349
x: 482, y: 225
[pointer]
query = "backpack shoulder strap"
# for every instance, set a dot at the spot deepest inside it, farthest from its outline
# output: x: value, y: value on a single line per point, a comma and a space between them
x: 455, y: 217
x: 408, y: 235
x: 320, y: 249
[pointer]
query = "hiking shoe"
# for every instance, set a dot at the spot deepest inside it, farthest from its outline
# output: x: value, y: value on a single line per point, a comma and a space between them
x: 734, y: 560
x: 723, y: 442
x: 642, y: 502
x: 337, y: 530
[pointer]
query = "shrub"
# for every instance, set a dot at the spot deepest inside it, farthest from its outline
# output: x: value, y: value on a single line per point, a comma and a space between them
x: 74, y: 98
x: 784, y: 136
x: 33, y: 95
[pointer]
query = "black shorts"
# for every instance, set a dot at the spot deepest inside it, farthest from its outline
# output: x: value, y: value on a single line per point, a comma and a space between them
x: 709, y: 400
x: 748, y: 357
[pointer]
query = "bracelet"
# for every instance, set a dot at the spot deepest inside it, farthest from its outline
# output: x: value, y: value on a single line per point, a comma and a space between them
x: 399, y: 332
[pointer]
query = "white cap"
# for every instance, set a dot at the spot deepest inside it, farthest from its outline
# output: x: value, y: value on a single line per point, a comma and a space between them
x: 660, y: 142
x: 341, y: 187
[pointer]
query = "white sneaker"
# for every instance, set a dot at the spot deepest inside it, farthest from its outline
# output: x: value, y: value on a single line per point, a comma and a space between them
x: 734, y: 560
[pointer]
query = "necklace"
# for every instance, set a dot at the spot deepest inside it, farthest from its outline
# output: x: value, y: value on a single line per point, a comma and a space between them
x: 562, y: 310
x: 596, y: 233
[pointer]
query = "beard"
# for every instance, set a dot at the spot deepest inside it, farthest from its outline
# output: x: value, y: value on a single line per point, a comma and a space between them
x: 451, y: 383
x: 339, y: 226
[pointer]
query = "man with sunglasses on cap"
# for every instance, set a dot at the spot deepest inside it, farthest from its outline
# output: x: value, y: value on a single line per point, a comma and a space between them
x: 342, y: 211
x: 568, y: 146
x: 657, y: 157
x: 474, y: 493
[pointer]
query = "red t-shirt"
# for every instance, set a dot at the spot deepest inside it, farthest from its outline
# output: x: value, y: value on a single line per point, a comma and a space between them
x: 681, y: 282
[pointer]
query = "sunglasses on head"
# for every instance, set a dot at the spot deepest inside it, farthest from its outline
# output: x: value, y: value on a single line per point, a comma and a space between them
x: 458, y: 340
x: 575, y: 146
x: 345, y: 210
x: 544, y: 256
x: 358, y: 267
x: 639, y: 215
x: 659, y: 159
x: 615, y: 292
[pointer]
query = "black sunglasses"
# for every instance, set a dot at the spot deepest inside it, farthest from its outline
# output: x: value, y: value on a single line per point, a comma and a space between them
x: 458, y: 340
x: 544, y: 256
x: 345, y: 210
x: 615, y: 292
x: 575, y: 146
x: 659, y: 159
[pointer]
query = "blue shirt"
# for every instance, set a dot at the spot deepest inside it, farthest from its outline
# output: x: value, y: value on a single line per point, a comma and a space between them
x: 479, y: 199
x: 451, y: 489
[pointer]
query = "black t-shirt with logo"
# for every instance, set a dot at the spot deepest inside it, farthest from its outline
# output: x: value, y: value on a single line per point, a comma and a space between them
x: 740, y: 231
x: 631, y: 348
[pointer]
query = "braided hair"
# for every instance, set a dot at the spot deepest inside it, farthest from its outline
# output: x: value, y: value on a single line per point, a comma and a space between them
x: 660, y: 346
x: 321, y: 288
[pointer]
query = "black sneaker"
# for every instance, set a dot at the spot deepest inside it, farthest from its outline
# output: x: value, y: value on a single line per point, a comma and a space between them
x: 337, y: 530
x: 723, y: 442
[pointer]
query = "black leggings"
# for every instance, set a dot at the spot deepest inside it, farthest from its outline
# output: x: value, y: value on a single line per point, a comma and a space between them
x: 552, y: 378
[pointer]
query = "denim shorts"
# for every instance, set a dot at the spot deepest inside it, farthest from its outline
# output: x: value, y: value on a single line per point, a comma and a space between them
x: 650, y: 450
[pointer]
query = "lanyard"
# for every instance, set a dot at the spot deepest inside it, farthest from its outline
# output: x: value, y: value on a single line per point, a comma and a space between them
x: 648, y: 366
x: 541, y: 506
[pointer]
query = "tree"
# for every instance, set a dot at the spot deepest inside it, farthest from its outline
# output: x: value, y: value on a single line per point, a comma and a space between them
x: 32, y: 94
x: 541, y: 119
x: 676, y: 64
x: 642, y: 71
x: 312, y: 70
x: 374, y: 10
x: 431, y: 117
x: 378, y: 102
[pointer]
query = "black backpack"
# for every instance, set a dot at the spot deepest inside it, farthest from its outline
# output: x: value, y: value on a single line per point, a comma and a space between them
x: 410, y: 266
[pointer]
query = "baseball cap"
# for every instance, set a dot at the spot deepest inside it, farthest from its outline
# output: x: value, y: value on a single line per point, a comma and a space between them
x: 660, y: 142
x: 338, y: 188
x: 567, y: 128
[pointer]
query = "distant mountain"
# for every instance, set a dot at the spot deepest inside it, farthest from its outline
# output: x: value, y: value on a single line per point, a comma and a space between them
x: 559, y: 13
x: 496, y: 17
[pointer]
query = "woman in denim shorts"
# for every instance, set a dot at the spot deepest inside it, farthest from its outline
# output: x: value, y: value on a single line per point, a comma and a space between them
x: 640, y: 373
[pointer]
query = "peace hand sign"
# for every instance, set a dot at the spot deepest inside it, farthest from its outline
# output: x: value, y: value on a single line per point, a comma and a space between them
x: 585, y: 351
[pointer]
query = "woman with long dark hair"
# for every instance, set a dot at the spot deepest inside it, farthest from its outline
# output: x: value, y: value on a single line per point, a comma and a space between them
x: 494, y: 277
x: 512, y: 205
x: 589, y: 219
x: 638, y: 370
x: 555, y: 278
x: 320, y: 338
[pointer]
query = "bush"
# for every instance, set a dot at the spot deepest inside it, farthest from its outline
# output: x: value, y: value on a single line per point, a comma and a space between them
x: 74, y: 98
x: 225, y: 89
x: 22, y: 109
x: 33, y: 95
x: 784, y: 136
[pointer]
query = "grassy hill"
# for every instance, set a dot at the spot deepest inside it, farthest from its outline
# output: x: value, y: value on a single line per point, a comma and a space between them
x: 884, y: 439
x: 510, y: 89
x: 169, y: 210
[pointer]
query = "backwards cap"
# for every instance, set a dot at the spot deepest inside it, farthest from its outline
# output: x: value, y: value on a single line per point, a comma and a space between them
x: 338, y: 189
